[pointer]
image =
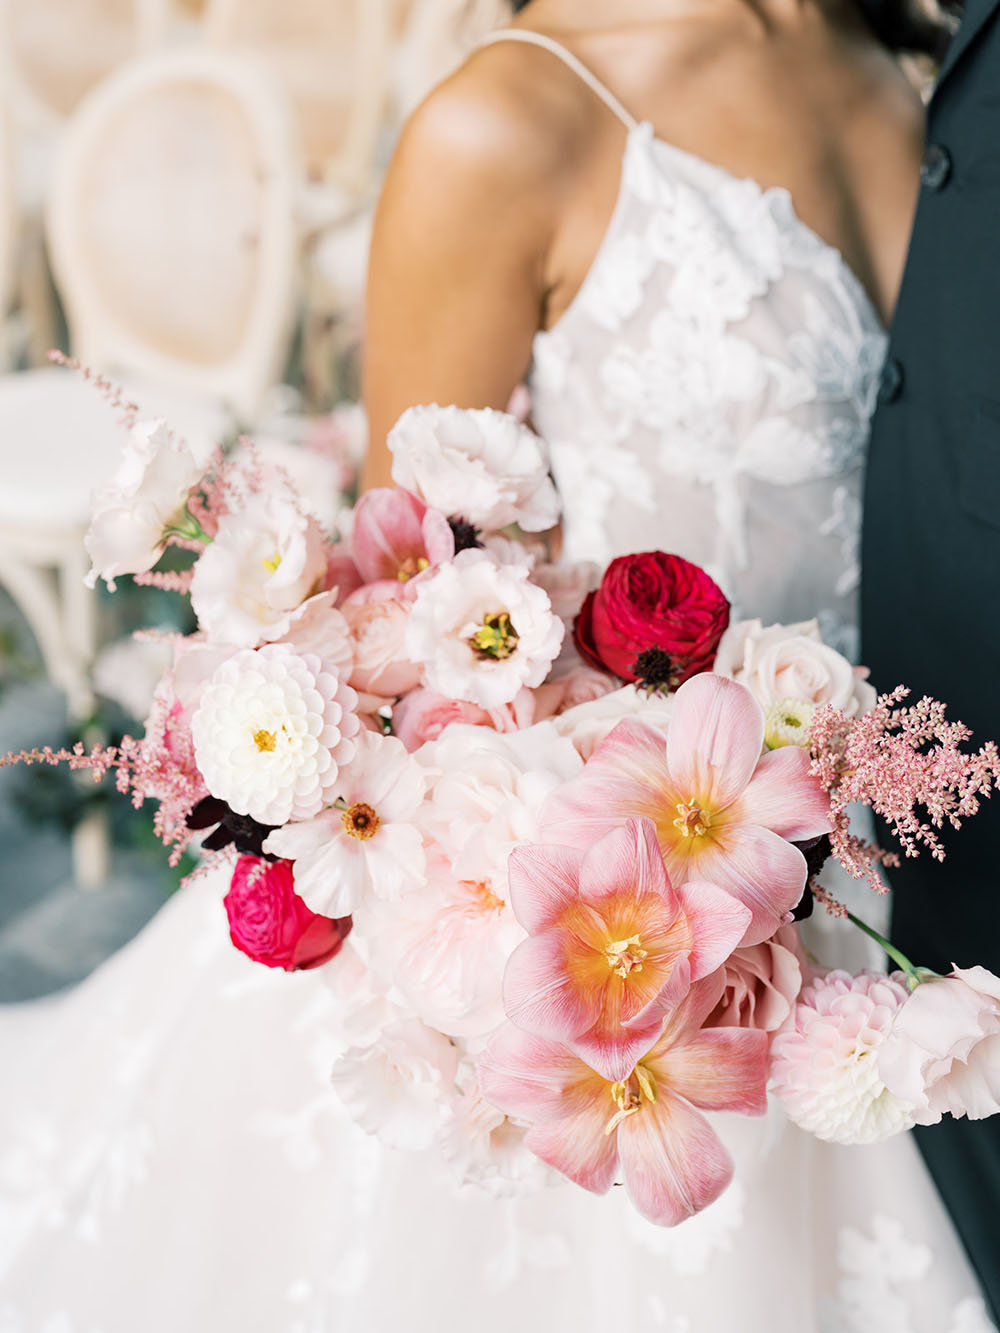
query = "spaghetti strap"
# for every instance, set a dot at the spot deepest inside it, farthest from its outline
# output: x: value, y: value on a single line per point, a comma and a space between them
x: 568, y: 58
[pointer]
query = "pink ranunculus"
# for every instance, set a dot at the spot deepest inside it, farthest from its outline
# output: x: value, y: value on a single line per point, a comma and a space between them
x: 270, y: 923
x: 648, y: 1127
x: 612, y: 945
x: 423, y: 715
x: 943, y: 1053
x: 762, y: 982
x: 378, y: 615
x: 723, y: 813
x: 396, y: 536
x: 652, y: 601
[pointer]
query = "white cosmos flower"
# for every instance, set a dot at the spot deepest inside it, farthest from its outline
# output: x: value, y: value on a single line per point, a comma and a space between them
x: 146, y: 496
x: 482, y: 631
x: 272, y: 731
x: 370, y: 846
x: 483, y: 466
x: 401, y: 1087
x: 266, y: 559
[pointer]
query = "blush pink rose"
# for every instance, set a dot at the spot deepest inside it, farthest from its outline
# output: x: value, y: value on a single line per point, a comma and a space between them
x: 378, y: 615
x: 580, y: 685
x: 270, y: 923
x: 423, y: 715
x: 762, y: 983
x: 943, y: 1053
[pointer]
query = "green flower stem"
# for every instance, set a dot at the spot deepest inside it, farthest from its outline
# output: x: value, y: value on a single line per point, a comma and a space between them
x: 914, y: 975
x: 189, y: 528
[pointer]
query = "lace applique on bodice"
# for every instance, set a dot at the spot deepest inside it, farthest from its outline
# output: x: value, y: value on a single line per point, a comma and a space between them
x: 709, y: 390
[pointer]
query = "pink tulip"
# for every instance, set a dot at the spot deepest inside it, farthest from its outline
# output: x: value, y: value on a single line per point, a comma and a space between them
x: 722, y: 813
x: 397, y: 537
x: 612, y: 945
x: 644, y: 1127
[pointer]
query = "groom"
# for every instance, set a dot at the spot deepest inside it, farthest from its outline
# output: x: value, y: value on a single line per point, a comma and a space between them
x: 931, y: 556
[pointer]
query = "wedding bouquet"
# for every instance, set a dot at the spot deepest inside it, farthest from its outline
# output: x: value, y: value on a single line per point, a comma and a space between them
x: 548, y: 832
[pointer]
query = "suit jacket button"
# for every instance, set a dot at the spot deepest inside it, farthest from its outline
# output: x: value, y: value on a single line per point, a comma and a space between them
x: 936, y: 169
x: 891, y: 384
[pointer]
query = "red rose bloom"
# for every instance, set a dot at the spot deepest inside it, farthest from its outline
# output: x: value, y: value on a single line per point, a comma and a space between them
x: 270, y: 923
x: 657, y: 604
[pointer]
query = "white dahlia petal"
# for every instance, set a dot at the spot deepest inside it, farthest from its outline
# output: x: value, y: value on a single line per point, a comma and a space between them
x: 481, y: 465
x: 482, y: 631
x: 825, y: 1068
x: 272, y: 732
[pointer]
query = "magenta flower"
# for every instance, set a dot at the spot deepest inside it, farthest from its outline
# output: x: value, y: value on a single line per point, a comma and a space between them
x: 723, y: 814
x: 397, y: 537
x: 647, y: 1127
x: 612, y: 944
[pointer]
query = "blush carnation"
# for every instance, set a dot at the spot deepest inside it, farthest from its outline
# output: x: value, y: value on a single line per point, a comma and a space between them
x: 481, y: 465
x: 652, y: 603
x: 272, y: 732
x: 825, y: 1068
x: 270, y: 923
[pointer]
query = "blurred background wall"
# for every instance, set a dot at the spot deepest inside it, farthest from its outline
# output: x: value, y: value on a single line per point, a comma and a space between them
x: 186, y: 195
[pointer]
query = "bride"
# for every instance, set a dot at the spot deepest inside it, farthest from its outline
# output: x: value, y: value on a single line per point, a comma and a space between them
x: 683, y: 223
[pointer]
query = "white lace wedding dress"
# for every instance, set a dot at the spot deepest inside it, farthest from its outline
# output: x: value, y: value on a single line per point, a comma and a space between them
x: 171, y: 1154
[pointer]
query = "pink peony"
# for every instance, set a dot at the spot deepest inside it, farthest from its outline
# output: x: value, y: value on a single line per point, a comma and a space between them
x: 270, y: 923
x: 423, y: 715
x: 762, y: 984
x: 397, y: 537
x: 612, y: 944
x: 378, y: 616
x: 647, y: 1127
x: 723, y: 813
x: 825, y: 1066
x: 943, y: 1053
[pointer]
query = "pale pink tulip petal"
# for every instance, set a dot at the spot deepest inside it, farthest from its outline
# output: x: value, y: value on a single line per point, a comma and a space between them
x: 721, y: 1069
x: 540, y: 991
x: 531, y: 1078
x: 672, y: 1161
x: 625, y: 777
x: 759, y: 868
x: 783, y: 796
x: 719, y: 922
x: 543, y: 883
x: 579, y: 1147
x: 627, y: 862
x: 715, y: 739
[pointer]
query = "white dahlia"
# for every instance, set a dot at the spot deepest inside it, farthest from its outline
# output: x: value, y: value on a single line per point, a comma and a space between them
x: 825, y: 1068
x: 272, y: 732
x: 483, y: 466
x: 482, y: 631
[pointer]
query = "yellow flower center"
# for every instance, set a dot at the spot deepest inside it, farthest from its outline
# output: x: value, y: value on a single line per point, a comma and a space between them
x: 692, y: 820
x: 272, y: 562
x: 496, y: 637
x: 625, y: 956
x: 361, y: 821
x: 629, y: 1096
x: 264, y: 740
x: 412, y: 566
x: 788, y: 723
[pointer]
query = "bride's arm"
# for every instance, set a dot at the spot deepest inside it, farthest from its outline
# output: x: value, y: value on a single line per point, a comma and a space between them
x: 457, y: 275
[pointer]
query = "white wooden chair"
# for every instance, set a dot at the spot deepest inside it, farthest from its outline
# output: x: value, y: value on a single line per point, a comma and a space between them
x: 8, y: 230
x: 173, y: 241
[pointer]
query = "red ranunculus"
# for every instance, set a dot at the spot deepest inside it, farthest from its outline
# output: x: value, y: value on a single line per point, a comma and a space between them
x: 270, y: 923
x: 652, y: 602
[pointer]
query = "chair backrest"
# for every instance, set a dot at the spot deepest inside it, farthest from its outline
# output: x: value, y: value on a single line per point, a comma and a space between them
x: 434, y: 37
x: 171, y: 225
x: 55, y: 51
x: 334, y: 58
x: 8, y: 225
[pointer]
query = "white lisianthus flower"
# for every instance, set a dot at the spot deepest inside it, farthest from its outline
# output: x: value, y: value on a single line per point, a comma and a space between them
x: 370, y: 843
x: 267, y: 558
x: 791, y: 672
x: 483, y: 466
x: 146, y: 496
x: 272, y: 732
x: 825, y: 1064
x: 400, y: 1088
x: 481, y: 631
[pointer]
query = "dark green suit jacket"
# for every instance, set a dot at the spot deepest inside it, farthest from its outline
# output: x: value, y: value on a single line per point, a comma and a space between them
x: 931, y: 552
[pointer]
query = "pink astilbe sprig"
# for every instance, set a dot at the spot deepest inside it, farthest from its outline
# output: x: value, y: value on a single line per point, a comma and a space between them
x: 108, y: 390
x: 906, y: 763
x: 170, y: 580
